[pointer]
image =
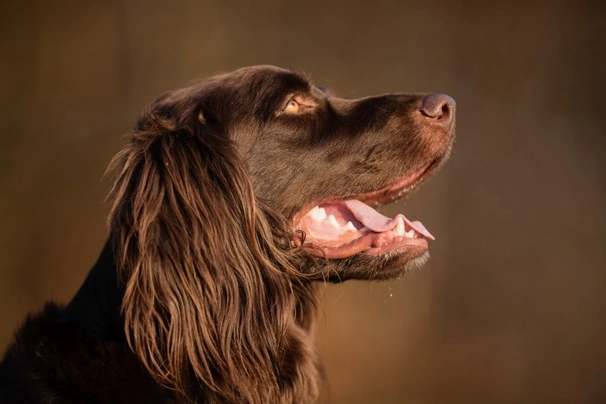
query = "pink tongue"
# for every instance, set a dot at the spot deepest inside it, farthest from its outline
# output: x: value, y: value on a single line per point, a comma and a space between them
x: 378, y: 223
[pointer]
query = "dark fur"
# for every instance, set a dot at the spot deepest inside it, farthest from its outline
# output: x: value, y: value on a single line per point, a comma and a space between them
x: 201, y: 294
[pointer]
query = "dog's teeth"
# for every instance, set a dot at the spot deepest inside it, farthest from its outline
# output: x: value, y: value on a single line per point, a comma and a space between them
x: 410, y: 233
x: 399, y: 229
x: 318, y: 213
x: 349, y: 227
x: 331, y: 220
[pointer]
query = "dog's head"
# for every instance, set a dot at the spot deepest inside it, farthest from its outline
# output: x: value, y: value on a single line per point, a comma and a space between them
x: 235, y: 192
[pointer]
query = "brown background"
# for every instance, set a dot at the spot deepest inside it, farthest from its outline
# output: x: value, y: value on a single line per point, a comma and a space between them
x: 512, y: 307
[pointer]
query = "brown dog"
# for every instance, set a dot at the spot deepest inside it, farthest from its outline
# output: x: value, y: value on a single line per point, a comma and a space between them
x: 232, y: 199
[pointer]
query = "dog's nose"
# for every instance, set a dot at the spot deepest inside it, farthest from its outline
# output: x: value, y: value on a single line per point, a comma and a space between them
x: 439, y: 108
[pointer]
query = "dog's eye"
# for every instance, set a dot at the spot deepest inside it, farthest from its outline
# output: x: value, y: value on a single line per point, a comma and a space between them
x: 298, y: 105
x: 292, y: 107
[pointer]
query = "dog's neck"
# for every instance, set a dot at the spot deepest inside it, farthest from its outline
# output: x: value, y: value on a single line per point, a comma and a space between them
x: 96, y: 305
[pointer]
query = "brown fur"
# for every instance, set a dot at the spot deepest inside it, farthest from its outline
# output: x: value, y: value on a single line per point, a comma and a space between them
x: 212, y: 295
x: 205, y: 292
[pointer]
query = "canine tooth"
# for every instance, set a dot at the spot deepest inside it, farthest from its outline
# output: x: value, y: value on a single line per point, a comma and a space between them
x: 331, y: 220
x: 410, y: 233
x: 399, y: 229
x: 349, y: 227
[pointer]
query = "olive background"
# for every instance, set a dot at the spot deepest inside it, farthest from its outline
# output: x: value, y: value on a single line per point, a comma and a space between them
x: 512, y: 306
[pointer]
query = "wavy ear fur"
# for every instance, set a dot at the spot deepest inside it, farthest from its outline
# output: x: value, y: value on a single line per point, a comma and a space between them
x: 209, y: 281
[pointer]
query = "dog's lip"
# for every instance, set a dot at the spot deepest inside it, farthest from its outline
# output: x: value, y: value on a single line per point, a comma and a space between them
x: 385, y: 195
x: 399, y: 189
x: 374, y: 244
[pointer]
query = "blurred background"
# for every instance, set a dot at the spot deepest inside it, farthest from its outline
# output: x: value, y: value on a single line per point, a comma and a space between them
x: 512, y: 306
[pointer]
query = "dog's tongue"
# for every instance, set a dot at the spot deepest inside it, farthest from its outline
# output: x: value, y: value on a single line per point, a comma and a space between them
x: 377, y: 222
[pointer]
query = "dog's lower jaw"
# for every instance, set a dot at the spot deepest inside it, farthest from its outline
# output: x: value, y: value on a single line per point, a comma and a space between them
x: 390, y: 265
x: 396, y: 264
x: 416, y: 263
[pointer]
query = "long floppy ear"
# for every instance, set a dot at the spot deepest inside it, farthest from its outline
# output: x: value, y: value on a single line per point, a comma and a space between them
x: 208, y: 280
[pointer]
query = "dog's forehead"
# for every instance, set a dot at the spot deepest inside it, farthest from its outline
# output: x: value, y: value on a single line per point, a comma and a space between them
x: 264, y: 78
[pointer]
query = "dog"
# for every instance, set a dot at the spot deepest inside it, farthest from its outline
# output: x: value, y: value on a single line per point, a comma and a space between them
x: 232, y: 200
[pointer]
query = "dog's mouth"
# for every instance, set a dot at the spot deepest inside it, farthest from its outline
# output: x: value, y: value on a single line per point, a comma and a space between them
x: 341, y: 228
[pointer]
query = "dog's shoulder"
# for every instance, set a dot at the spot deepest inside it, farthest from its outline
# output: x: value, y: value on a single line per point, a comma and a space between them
x: 56, y: 361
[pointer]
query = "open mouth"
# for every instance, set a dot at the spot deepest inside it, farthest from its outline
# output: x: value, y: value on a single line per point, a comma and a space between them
x: 341, y: 228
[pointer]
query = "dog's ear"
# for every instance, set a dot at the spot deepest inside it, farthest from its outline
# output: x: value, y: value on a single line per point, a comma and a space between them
x: 208, y: 277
